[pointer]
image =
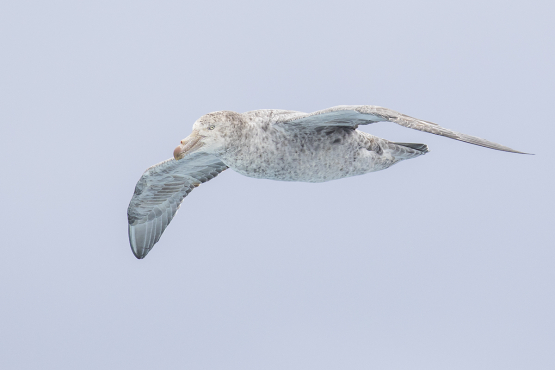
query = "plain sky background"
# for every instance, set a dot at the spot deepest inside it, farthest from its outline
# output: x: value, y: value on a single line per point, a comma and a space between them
x: 441, y: 262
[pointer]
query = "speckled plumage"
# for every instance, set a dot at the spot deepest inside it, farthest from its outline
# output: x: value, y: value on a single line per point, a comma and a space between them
x: 272, y: 148
x: 272, y: 144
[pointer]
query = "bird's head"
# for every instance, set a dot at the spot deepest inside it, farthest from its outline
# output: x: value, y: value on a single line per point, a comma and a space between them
x: 212, y: 133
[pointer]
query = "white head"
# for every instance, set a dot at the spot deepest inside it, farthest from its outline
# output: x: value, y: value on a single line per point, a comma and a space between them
x: 211, y: 134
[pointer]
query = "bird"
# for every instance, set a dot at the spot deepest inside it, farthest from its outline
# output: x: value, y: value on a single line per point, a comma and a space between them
x: 272, y: 144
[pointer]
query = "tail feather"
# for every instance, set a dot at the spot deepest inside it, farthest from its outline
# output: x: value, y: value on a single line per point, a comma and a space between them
x: 421, y: 147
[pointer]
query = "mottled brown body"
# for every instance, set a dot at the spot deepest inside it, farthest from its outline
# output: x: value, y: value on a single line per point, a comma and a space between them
x: 313, y: 156
x: 259, y: 144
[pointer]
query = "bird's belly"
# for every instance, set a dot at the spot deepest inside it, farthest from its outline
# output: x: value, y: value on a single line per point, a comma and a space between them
x: 304, y: 164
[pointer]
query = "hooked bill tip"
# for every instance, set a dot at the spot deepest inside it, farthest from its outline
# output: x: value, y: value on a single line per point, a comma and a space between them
x: 177, y: 152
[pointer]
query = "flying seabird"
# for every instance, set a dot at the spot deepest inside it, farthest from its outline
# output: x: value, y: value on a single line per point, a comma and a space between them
x: 272, y: 144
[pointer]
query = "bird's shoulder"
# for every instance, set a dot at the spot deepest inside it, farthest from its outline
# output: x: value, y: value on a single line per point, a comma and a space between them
x: 271, y: 115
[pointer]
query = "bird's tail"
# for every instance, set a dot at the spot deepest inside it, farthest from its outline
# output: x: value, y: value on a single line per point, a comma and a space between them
x: 421, y: 147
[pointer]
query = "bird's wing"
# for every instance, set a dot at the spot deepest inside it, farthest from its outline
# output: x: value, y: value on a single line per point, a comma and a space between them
x: 160, y: 191
x: 354, y: 115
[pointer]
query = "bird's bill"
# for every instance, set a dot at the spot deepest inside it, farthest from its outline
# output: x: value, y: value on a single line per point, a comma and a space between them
x: 188, y: 145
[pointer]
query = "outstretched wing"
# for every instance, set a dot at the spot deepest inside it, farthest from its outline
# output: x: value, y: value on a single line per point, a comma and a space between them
x: 159, y: 193
x: 354, y: 115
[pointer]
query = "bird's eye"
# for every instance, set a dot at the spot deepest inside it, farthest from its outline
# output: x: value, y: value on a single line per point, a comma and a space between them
x: 211, y: 127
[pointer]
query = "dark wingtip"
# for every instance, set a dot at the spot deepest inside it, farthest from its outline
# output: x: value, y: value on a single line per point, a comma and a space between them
x: 139, y: 256
x: 508, y: 150
x: 517, y: 152
x: 138, y: 252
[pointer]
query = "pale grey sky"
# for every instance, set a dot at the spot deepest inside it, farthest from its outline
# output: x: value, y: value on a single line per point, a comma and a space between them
x: 441, y: 262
